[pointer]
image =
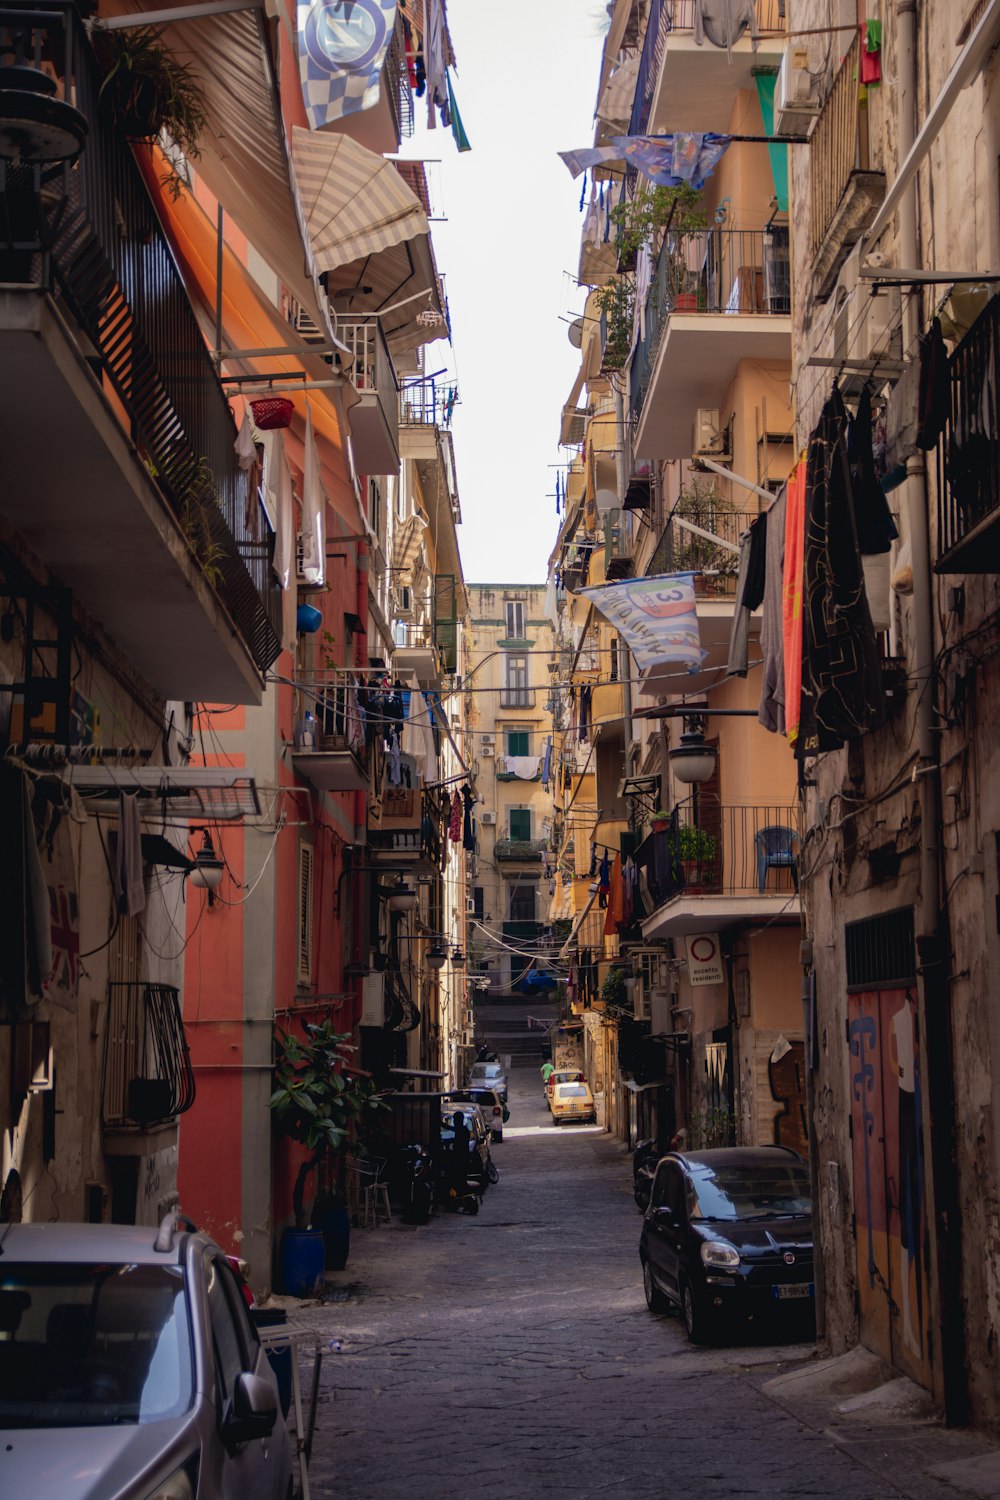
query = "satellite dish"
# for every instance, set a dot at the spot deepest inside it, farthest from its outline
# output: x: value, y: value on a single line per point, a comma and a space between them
x: 575, y: 332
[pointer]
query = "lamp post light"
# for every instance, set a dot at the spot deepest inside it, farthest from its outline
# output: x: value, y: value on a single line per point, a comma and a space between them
x: 208, y: 867
x: 436, y: 955
x: 692, y: 761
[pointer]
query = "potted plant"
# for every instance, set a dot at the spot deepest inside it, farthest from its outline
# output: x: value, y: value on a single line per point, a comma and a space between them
x: 677, y: 213
x: 660, y: 820
x: 616, y: 300
x: 695, y: 851
x: 613, y: 990
x: 147, y: 91
x: 321, y: 1103
x: 704, y: 504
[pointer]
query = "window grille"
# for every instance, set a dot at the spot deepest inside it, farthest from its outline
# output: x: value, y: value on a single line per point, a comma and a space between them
x: 880, y: 951
x: 304, y: 962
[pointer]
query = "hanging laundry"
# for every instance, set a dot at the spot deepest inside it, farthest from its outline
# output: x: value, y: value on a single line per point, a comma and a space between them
x: 870, y: 71
x: 791, y: 597
x: 585, y: 717
x: 604, y: 882
x: 629, y: 883
x: 614, y: 916
x: 593, y: 860
x: 876, y: 528
x: 468, y: 826
x: 841, y: 678
x: 547, y: 763
x: 739, y: 630
x: 395, y: 769
x: 455, y: 823
x: 752, y: 596
x: 525, y: 767
x: 934, y: 390
x: 723, y: 22
x: 455, y: 120
x: 901, y: 415
x: 244, y: 446
x: 772, y: 686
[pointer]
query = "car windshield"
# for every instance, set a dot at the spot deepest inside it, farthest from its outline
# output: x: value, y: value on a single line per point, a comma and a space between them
x: 487, y: 1070
x: 572, y: 1091
x: 92, y: 1345
x: 750, y: 1192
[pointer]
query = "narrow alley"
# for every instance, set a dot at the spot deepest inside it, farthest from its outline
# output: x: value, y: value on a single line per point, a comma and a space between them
x: 512, y: 1354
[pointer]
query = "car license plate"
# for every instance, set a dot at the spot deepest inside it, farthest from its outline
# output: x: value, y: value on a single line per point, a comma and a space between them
x: 795, y: 1289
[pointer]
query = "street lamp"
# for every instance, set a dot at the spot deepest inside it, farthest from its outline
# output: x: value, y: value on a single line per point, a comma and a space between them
x: 436, y: 956
x: 458, y: 958
x: 400, y: 896
x: 692, y: 760
x: 208, y: 867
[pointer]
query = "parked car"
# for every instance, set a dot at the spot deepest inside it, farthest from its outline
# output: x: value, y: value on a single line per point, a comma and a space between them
x: 480, y: 1161
x: 727, y: 1238
x: 488, y: 1075
x: 129, y: 1365
x: 562, y: 1075
x: 494, y: 1110
x: 573, y: 1101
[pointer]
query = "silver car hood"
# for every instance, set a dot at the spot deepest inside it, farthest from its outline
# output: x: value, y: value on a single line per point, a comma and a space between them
x: 89, y: 1463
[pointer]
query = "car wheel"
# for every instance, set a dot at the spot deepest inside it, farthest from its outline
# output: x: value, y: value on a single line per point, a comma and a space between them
x: 694, y: 1314
x: 655, y: 1300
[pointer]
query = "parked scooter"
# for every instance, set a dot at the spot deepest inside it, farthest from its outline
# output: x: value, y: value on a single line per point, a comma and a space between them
x: 644, y: 1159
x: 416, y: 1184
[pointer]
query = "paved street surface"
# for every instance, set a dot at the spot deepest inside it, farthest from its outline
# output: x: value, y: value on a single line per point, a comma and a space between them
x: 512, y: 1355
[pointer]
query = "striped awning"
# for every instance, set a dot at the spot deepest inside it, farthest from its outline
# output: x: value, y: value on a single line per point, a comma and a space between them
x: 406, y: 543
x: 354, y: 202
x: 615, y: 103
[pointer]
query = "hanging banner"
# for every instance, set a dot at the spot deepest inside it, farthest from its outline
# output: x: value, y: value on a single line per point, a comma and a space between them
x: 342, y: 45
x: 657, y: 617
x: 667, y: 160
x: 704, y: 959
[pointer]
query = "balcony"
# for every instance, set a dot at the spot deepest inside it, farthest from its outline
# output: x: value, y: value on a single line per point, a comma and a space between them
x: 617, y: 547
x: 336, y: 761
x: 845, y: 190
x: 684, y: 547
x: 717, y: 297
x: 374, y: 420
x: 427, y: 403
x: 119, y: 468
x: 415, y: 650
x: 726, y: 865
x: 520, y: 849
x: 968, y: 455
x: 407, y: 831
x: 146, y: 1076
x: 683, y: 86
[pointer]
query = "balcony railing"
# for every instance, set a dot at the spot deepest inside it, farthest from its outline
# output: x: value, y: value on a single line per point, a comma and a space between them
x: 397, y: 79
x: 520, y: 848
x: 768, y: 13
x: 729, y: 271
x: 844, y: 186
x: 373, y: 371
x: 93, y: 236
x: 517, y: 697
x: 682, y: 550
x: 657, y: 26
x: 723, y: 850
x: 146, y: 1076
x: 427, y: 403
x: 968, y: 455
x: 617, y: 546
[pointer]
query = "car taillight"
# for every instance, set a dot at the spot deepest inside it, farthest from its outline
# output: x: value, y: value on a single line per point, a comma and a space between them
x: 497, y: 1110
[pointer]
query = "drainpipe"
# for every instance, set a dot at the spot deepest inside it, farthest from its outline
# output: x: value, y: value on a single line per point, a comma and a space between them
x: 935, y: 1031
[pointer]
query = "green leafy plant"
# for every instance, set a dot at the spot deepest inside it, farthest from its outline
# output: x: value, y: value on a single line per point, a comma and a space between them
x: 703, y: 503
x: 616, y: 300
x: 695, y: 845
x: 319, y: 1102
x: 146, y: 91
x: 637, y: 220
x: 711, y: 1128
x: 613, y: 990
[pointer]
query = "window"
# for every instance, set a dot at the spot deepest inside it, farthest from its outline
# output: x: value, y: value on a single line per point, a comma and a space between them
x: 304, y: 947
x: 522, y: 901
x: 478, y: 901
x: 517, y: 742
x: 519, y: 822
x: 516, y: 624
x: 515, y: 687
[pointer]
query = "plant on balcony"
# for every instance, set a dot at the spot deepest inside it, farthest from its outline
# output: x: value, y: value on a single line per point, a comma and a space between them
x: 613, y: 990
x: 637, y: 220
x: 147, y: 91
x: 319, y: 1103
x: 616, y: 301
x: 695, y: 846
x: 704, y: 504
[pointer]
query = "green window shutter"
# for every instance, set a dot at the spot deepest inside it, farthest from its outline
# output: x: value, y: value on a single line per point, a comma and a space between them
x: 517, y: 742
x: 446, y: 619
x: 520, y: 823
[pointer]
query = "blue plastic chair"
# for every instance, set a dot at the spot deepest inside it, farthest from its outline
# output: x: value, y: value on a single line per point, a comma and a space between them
x: 777, y: 849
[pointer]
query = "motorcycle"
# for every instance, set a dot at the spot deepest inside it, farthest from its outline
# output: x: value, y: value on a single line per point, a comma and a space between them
x: 644, y: 1159
x: 416, y: 1184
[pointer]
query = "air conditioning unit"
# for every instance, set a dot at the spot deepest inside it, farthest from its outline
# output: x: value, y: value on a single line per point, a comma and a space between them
x: 708, y: 436
x: 488, y: 819
x: 796, y: 96
x: 865, y: 326
x: 488, y: 745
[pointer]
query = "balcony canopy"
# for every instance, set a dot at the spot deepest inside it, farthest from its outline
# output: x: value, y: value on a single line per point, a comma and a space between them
x: 355, y: 203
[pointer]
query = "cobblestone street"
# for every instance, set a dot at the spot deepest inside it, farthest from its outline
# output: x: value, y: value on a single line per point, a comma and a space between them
x: 512, y: 1354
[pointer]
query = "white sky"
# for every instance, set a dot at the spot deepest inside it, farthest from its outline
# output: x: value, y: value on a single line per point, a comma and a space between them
x: 526, y: 85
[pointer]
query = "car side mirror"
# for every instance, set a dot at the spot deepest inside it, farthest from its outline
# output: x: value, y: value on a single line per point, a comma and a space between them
x: 252, y: 1412
x: 665, y: 1215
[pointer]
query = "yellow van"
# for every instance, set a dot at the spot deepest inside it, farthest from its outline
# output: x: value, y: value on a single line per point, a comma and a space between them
x: 573, y: 1101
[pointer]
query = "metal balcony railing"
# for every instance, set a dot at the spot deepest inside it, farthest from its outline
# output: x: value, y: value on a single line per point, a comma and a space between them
x: 520, y: 848
x: 682, y: 550
x: 657, y: 25
x: 768, y: 13
x: 617, y: 546
x: 146, y: 1077
x: 373, y: 369
x: 92, y: 235
x: 723, y: 850
x: 427, y: 403
x: 729, y: 271
x: 337, y: 719
x: 968, y: 454
x: 839, y: 147
x: 397, y: 80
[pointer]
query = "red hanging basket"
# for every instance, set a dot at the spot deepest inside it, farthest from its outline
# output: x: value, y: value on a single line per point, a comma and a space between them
x: 272, y: 411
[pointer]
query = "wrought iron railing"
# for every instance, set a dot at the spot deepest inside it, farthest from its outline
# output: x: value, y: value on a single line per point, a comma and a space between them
x: 657, y: 26
x: 397, y: 76
x: 100, y: 244
x: 520, y: 848
x: 968, y: 454
x: 768, y: 12
x: 712, y: 849
x: 729, y: 271
x: 682, y: 550
x: 839, y: 145
x: 427, y: 403
x: 336, y: 719
x: 146, y: 1075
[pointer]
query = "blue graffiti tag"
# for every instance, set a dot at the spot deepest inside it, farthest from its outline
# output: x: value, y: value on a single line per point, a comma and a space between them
x: 862, y: 1084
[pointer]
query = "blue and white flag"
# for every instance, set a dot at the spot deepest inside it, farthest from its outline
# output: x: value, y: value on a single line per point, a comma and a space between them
x: 668, y: 160
x: 657, y: 616
x: 341, y: 48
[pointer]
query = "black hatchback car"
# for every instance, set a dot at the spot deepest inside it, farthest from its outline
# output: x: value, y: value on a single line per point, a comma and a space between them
x: 727, y: 1238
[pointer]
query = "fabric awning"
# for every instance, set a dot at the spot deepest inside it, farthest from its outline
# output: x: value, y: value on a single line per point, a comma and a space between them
x: 244, y: 162
x: 354, y: 202
x: 406, y: 542
x: 581, y: 917
x: 615, y: 103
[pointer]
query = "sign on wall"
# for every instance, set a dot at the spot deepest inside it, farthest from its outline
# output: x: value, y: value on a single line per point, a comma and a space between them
x: 704, y: 958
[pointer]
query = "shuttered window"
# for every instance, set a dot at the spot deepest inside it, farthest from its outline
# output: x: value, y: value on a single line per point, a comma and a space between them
x: 304, y: 946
